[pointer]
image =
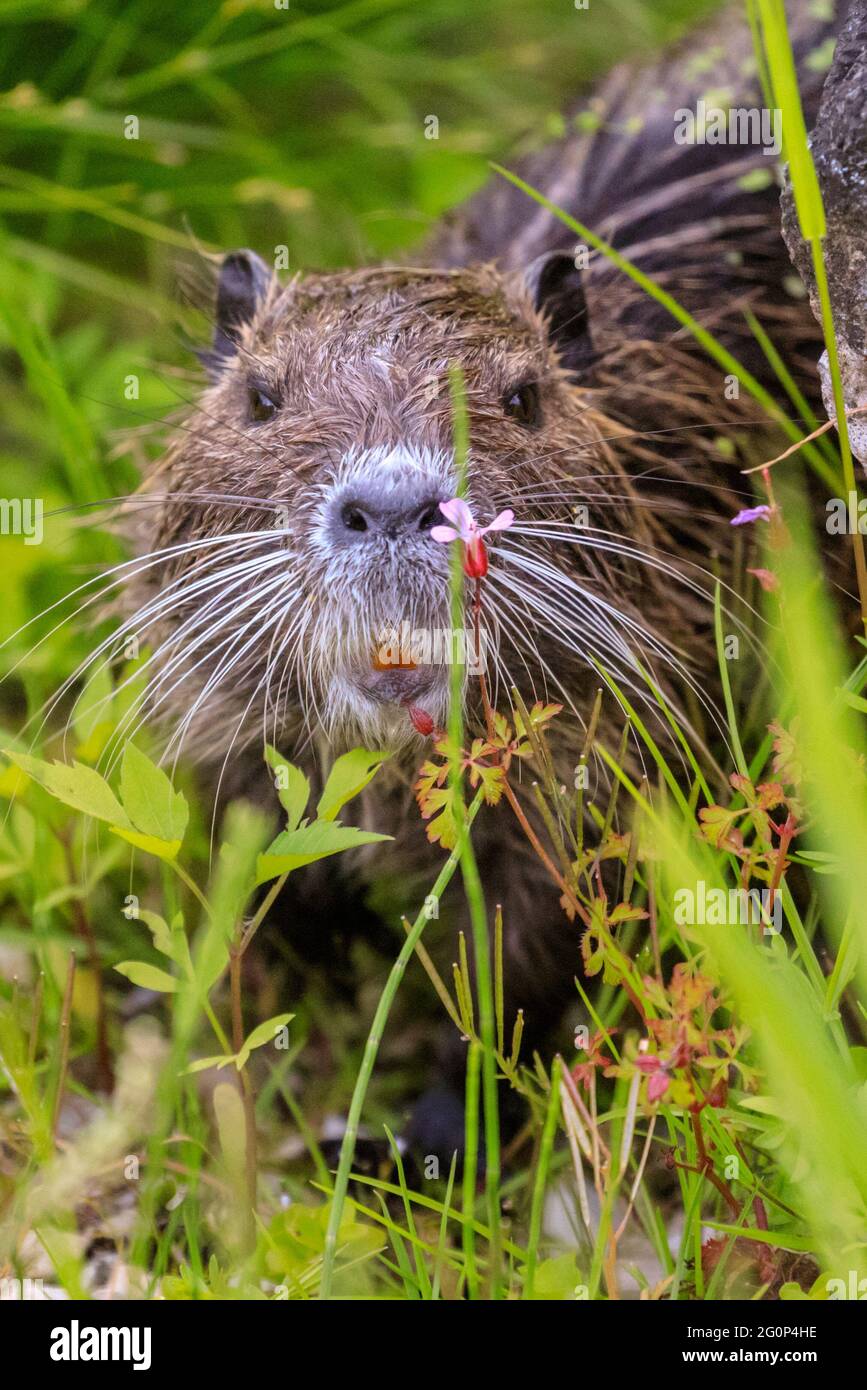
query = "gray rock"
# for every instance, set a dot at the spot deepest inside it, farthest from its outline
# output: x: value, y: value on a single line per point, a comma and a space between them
x: 839, y: 146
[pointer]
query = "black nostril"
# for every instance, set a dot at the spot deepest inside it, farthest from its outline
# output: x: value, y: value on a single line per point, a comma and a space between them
x: 354, y: 519
x: 375, y: 511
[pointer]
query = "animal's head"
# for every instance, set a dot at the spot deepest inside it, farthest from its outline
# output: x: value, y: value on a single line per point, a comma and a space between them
x: 297, y: 581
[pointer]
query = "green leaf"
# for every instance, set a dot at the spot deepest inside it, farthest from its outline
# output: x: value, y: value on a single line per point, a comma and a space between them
x: 793, y: 1293
x: 265, y: 1033
x: 438, y: 808
x: 819, y: 861
x: 159, y: 930
x: 181, y: 946
x: 755, y: 180
x: 147, y: 976
x: 855, y: 701
x: 162, y: 849
x: 69, y: 892
x: 170, y: 940
x: 859, y: 1062
x: 205, y: 1063
x: 77, y: 786
x: 784, y: 1240
x: 349, y: 775
x: 293, y: 788
x: 624, y: 912
x: 150, y: 800
x: 796, y: 148
x: 555, y: 1279
x: 294, y: 848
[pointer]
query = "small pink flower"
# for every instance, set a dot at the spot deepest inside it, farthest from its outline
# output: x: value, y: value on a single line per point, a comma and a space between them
x: 657, y: 1074
x: 743, y: 518
x: 768, y: 580
x: 657, y: 1086
x: 465, y: 528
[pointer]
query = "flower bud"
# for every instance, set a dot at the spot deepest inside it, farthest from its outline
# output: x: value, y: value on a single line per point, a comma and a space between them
x: 475, y: 558
x: 420, y: 720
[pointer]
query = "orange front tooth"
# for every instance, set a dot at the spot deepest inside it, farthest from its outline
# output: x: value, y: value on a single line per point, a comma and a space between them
x: 378, y: 665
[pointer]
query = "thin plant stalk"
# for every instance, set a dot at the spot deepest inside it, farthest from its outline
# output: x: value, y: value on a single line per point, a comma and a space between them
x: 471, y: 1157
x: 470, y: 872
x: 374, y: 1037
x: 540, y: 1183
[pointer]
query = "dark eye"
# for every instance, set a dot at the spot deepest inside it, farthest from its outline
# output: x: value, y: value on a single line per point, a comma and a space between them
x: 261, y: 407
x: 521, y: 403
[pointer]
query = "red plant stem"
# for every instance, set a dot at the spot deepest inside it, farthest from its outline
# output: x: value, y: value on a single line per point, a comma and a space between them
x: 706, y: 1168
x: 483, y: 684
x: 787, y: 833
x: 554, y: 872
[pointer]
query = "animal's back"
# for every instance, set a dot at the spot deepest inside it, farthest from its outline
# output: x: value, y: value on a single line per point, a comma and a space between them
x: 701, y: 216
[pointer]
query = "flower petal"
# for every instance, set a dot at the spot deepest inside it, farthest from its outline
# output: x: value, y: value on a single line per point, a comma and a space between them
x: 458, y: 513
x: 768, y: 580
x: 501, y: 522
x: 751, y: 514
x: 648, y: 1062
x: 444, y: 533
x: 657, y: 1086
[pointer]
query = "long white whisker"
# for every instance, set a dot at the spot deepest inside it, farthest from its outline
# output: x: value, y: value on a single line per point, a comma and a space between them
x: 139, y: 622
x: 178, y: 636
x: 253, y: 600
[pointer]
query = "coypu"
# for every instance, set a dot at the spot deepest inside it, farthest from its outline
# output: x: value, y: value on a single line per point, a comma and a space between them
x: 321, y: 449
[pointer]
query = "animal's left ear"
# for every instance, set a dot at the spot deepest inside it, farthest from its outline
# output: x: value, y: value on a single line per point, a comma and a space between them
x: 242, y: 286
x: 557, y: 288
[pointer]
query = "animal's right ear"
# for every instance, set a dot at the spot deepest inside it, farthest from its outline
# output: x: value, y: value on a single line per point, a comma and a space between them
x: 557, y: 288
x: 242, y: 286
